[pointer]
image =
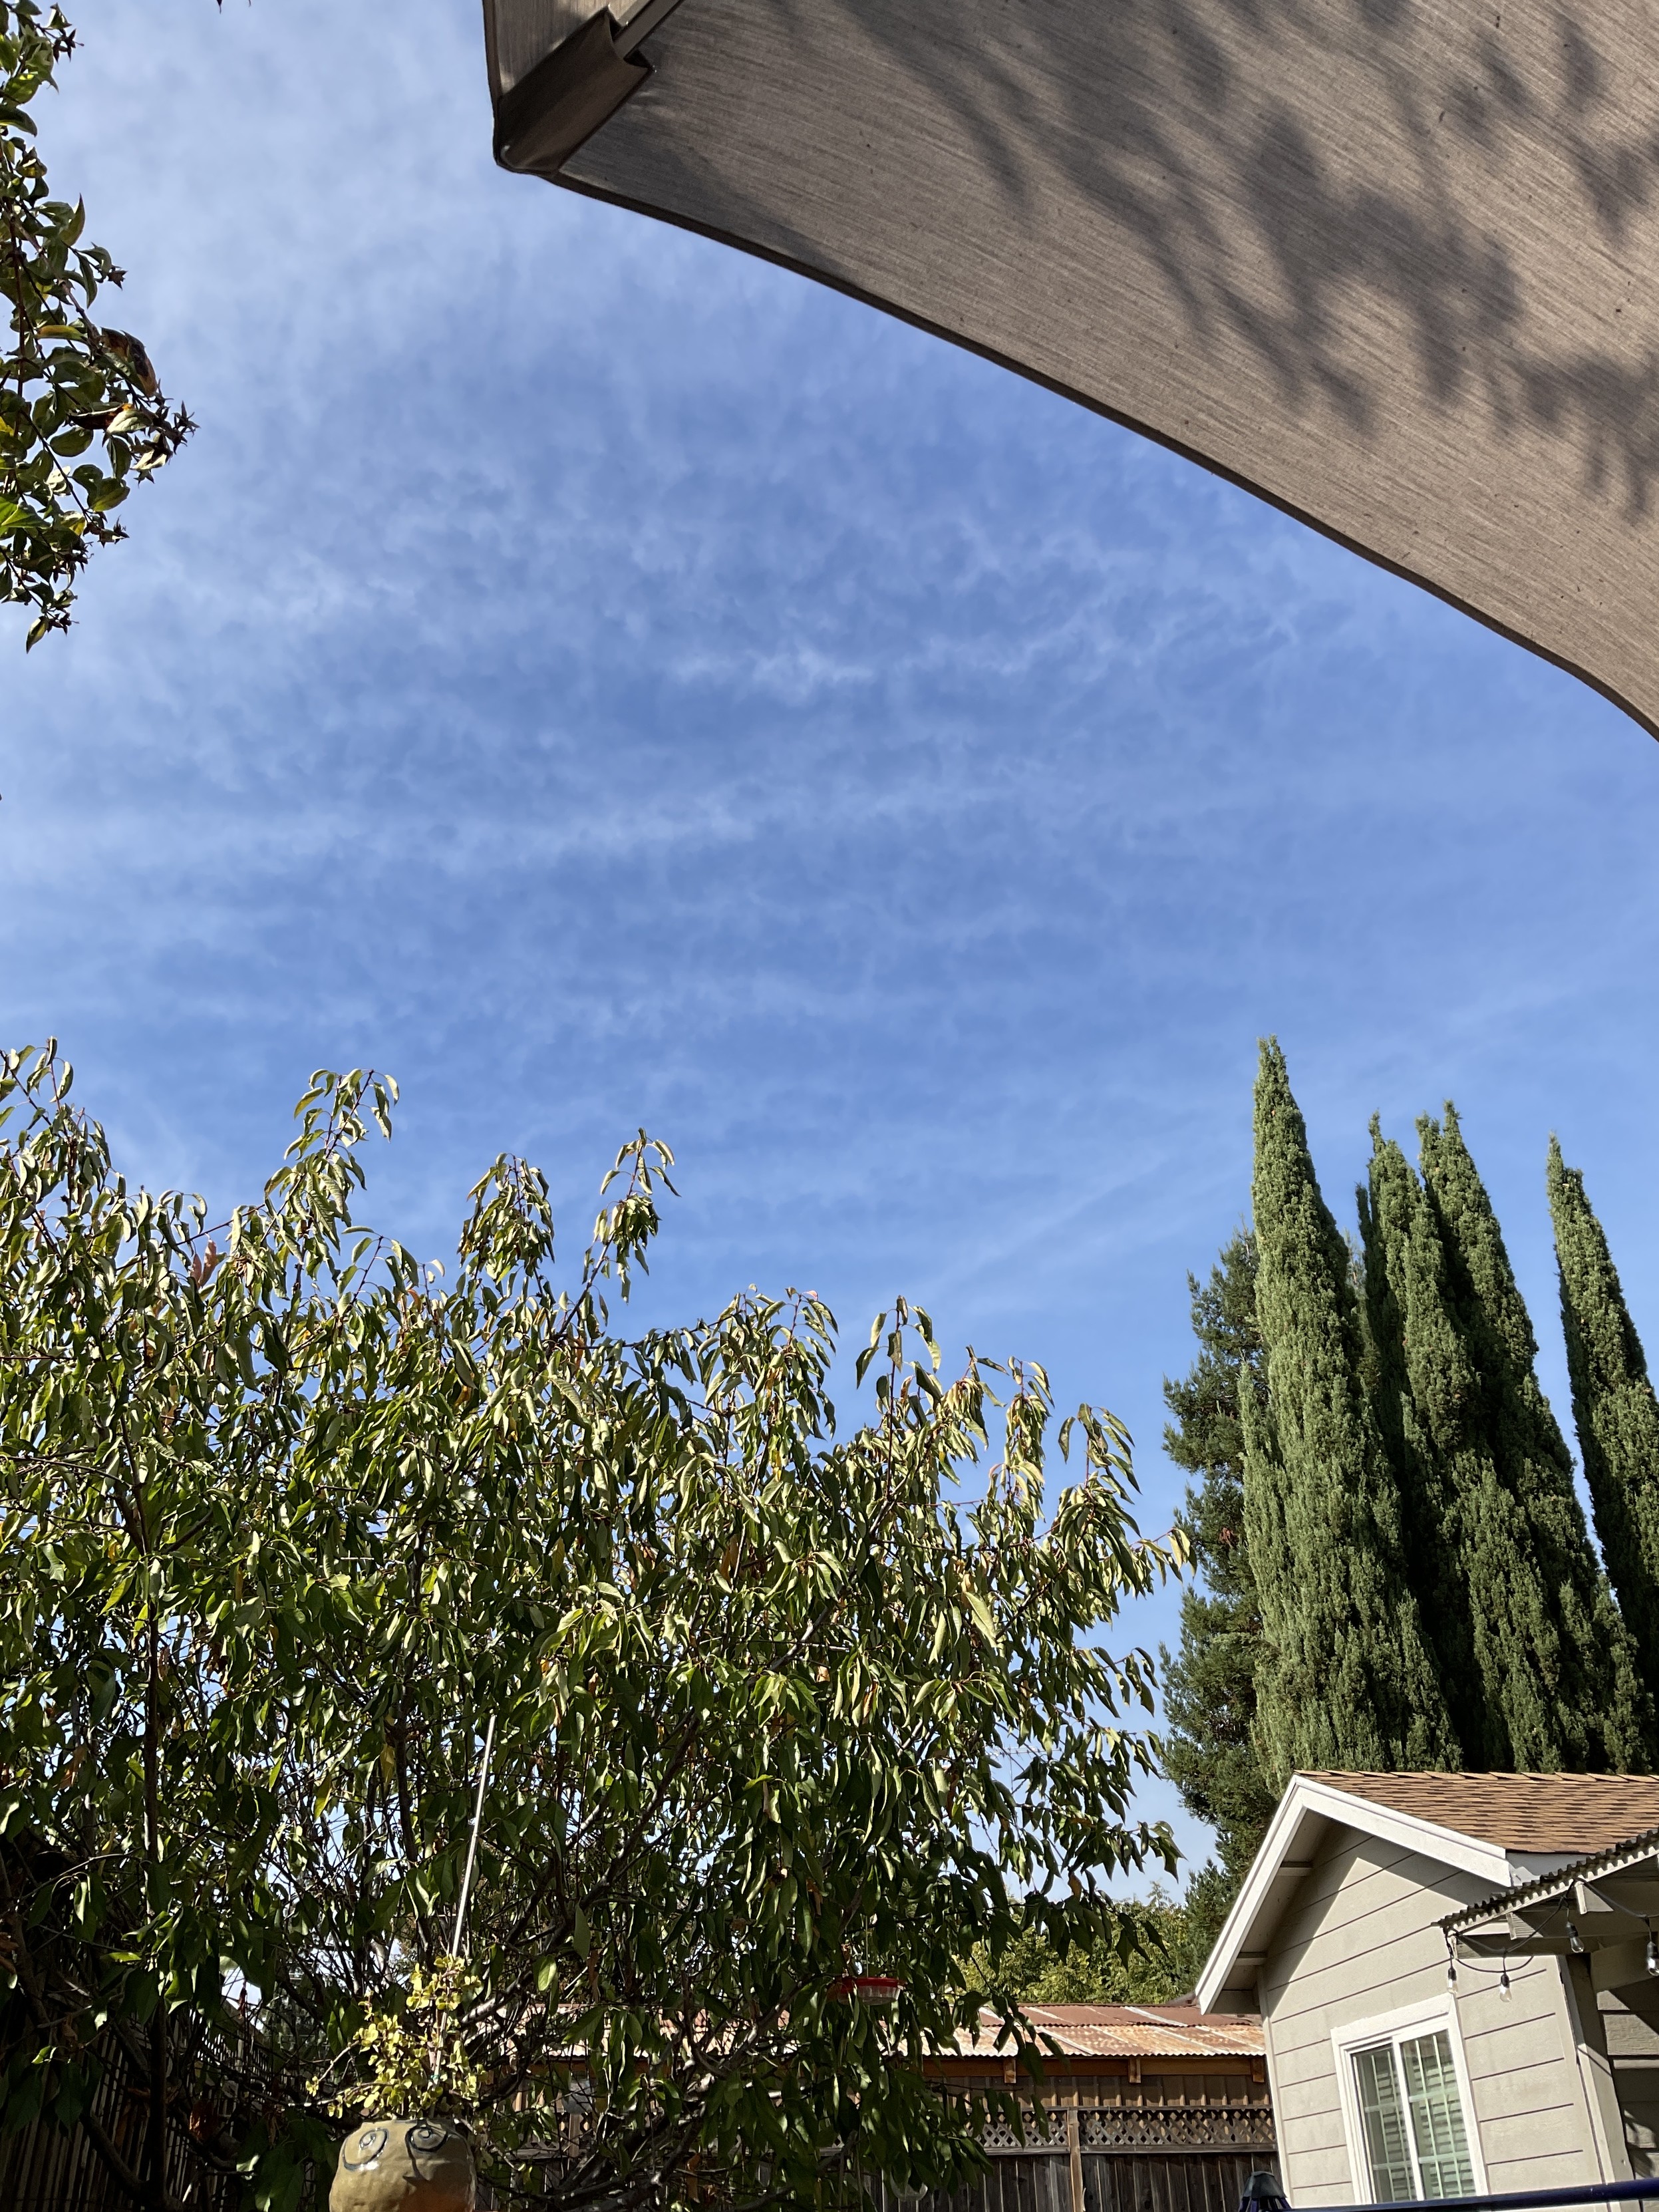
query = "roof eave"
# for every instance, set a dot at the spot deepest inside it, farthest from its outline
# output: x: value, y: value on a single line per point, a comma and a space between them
x: 1615, y: 1860
x: 1279, y: 1867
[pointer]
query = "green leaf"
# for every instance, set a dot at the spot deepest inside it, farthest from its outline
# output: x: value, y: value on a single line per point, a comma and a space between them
x: 742, y: 1712
x: 55, y: 364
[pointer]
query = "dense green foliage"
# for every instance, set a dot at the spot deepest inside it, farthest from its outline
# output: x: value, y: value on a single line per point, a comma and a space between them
x: 1210, y: 1750
x: 1416, y: 1585
x: 1613, y: 1406
x: 1149, y: 1961
x: 1347, y: 1675
x: 1421, y: 1392
x: 1598, y: 1715
x: 285, y: 1518
x: 82, y: 417
x: 1533, y: 1657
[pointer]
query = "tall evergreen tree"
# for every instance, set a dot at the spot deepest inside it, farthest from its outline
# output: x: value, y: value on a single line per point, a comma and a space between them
x: 1209, y: 1688
x: 1403, y: 1262
x: 1597, y: 1716
x: 1474, y: 1549
x: 1348, y: 1678
x: 1614, y: 1407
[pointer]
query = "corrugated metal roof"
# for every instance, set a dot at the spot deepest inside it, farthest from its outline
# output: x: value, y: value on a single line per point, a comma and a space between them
x: 1637, y: 1851
x: 1572, y: 1812
x: 1125, y: 2032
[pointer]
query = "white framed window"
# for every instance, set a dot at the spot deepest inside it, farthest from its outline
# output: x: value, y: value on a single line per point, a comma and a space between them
x: 1409, y: 2120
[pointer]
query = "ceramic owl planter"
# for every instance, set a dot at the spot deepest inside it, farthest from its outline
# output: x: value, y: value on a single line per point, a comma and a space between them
x: 403, y: 2165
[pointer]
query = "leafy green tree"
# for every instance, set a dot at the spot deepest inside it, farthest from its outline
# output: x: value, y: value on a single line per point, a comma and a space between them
x: 1614, y: 1408
x: 1146, y: 1961
x: 1599, y: 1715
x: 1205, y: 1903
x: 81, y: 416
x: 1210, y: 1749
x: 1348, y: 1677
x: 288, y: 1520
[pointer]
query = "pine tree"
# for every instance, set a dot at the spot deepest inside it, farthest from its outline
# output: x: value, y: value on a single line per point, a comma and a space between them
x: 1209, y: 1689
x: 1470, y: 1543
x: 1348, y: 1678
x: 1614, y: 1407
x: 1564, y: 1626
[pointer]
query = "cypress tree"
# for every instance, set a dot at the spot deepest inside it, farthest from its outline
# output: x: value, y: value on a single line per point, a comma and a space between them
x: 1614, y: 1408
x: 1473, y: 1548
x: 1567, y: 1631
x: 1209, y: 1688
x: 1347, y: 1678
x: 1401, y: 1264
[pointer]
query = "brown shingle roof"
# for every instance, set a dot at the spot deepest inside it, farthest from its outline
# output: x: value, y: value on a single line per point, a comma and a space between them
x: 1126, y: 2032
x: 1575, y: 1812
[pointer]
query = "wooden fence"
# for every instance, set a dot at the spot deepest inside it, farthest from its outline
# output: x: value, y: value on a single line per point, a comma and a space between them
x: 1093, y: 2158
x: 1115, y: 2158
x: 45, y: 2169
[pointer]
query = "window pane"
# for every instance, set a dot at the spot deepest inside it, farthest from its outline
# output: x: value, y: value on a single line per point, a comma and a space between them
x: 1442, y: 2150
x: 1383, y: 2116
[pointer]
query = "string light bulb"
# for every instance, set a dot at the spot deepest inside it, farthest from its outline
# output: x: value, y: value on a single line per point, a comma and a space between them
x: 1653, y: 1950
x: 1504, y: 1982
x: 1575, y: 1943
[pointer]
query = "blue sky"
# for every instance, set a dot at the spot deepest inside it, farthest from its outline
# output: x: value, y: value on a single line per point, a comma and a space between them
x: 606, y: 682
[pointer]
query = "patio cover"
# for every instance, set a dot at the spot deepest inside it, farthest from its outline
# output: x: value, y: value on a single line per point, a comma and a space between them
x: 1599, y: 1908
x: 1393, y: 264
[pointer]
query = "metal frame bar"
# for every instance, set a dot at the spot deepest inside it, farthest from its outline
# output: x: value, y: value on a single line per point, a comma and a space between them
x: 1598, y: 2192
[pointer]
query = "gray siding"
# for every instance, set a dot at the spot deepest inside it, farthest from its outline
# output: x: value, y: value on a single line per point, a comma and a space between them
x: 1359, y: 1940
x: 1630, y: 2021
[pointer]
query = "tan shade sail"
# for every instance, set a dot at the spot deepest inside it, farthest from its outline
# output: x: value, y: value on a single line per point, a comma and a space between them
x: 1393, y: 264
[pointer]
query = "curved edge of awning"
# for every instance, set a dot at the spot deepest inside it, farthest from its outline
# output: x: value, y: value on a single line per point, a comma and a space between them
x: 1064, y: 391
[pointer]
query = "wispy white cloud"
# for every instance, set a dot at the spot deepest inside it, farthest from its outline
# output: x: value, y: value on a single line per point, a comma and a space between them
x: 609, y: 681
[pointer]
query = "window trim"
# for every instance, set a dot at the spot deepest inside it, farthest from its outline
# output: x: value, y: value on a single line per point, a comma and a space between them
x: 1357, y: 2035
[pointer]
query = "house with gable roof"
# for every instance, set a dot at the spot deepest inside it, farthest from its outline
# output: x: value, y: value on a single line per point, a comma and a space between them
x: 1422, y: 2037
